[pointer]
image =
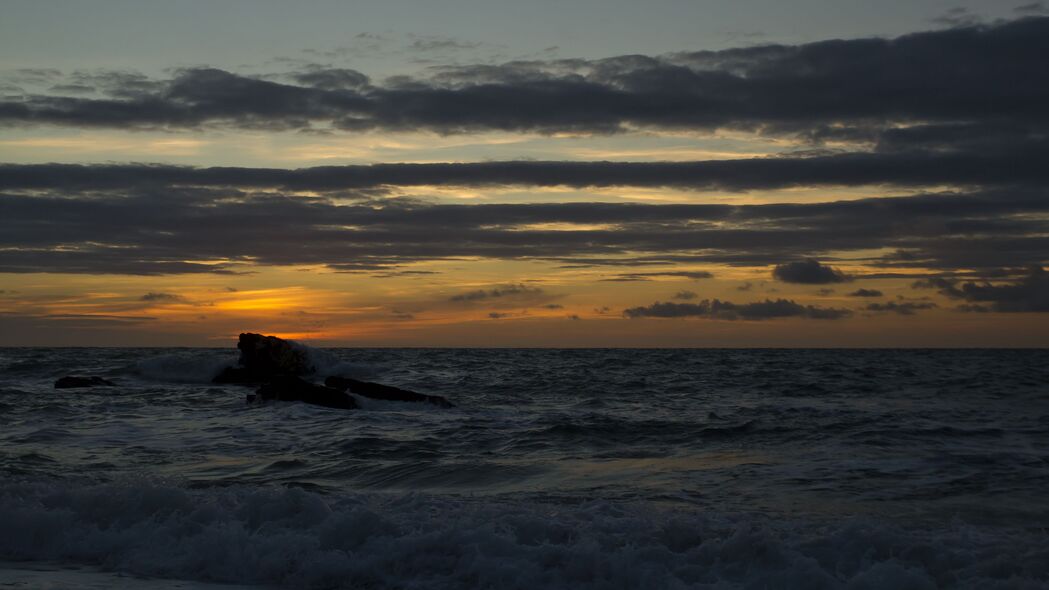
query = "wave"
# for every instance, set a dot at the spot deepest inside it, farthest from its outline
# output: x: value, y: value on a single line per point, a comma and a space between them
x: 186, y: 367
x: 201, y: 366
x: 303, y: 539
x: 326, y: 364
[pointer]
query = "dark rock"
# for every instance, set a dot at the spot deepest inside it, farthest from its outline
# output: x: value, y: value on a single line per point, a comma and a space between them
x: 73, y: 381
x: 294, y: 389
x: 240, y: 376
x: 271, y: 355
x: 385, y: 392
x: 264, y: 357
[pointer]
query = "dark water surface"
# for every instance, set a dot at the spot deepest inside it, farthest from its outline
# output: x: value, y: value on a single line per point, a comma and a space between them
x: 558, y: 468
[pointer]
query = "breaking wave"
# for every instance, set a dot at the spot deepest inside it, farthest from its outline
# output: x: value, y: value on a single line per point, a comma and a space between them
x: 201, y: 366
x: 299, y: 538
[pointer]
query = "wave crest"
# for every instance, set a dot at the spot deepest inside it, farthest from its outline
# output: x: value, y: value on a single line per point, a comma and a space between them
x: 303, y: 539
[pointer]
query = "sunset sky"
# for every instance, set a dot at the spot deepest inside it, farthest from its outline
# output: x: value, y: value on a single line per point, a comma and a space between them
x: 525, y: 174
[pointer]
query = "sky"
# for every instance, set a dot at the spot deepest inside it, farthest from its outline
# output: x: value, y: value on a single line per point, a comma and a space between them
x: 660, y: 174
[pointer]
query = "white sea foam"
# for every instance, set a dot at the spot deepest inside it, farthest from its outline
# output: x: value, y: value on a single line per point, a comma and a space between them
x: 186, y: 367
x: 201, y: 366
x: 301, y: 539
x: 326, y: 363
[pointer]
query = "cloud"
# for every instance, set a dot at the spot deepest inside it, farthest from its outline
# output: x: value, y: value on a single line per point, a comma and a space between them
x: 1018, y: 163
x: 904, y: 308
x: 647, y: 276
x: 958, y: 16
x: 331, y: 78
x: 1029, y: 294
x: 161, y: 297
x: 866, y: 293
x: 519, y: 291
x: 182, y: 230
x: 833, y: 88
x: 686, y: 295
x: 1031, y: 8
x: 726, y: 310
x: 808, y: 272
x: 430, y: 44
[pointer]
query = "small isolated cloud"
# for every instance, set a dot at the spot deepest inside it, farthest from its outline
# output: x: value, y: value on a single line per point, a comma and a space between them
x: 726, y: 310
x: 825, y: 291
x: 686, y: 295
x: 1029, y: 294
x: 161, y: 297
x: 808, y: 272
x: 507, y: 292
x: 431, y: 44
x: 905, y: 308
x: 866, y: 293
x: 647, y: 276
x: 1031, y: 8
x: 745, y: 286
x: 496, y: 315
x: 331, y: 78
x: 553, y: 306
x: 958, y: 16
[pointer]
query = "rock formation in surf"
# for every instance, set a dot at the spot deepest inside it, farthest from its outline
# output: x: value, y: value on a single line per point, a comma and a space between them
x: 294, y: 389
x: 277, y: 366
x: 264, y: 357
x: 386, y: 392
x: 76, y: 381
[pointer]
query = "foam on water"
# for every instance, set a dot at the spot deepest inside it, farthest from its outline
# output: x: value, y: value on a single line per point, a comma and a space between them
x: 302, y: 539
x: 201, y: 366
x: 186, y: 367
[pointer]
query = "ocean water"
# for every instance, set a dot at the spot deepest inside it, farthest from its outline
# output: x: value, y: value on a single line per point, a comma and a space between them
x: 557, y: 469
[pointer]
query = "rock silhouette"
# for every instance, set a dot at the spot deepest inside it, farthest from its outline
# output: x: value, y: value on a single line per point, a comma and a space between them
x: 294, y: 389
x: 75, y: 381
x: 278, y: 366
x: 264, y: 357
x: 386, y: 392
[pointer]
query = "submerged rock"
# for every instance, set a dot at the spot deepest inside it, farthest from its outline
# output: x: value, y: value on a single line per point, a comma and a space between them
x: 385, y: 392
x: 294, y: 389
x: 75, y: 381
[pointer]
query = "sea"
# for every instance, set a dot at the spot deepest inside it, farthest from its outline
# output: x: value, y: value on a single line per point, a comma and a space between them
x: 580, y: 468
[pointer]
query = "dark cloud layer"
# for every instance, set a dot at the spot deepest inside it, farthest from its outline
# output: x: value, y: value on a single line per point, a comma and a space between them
x: 139, y: 231
x: 726, y: 310
x: 830, y: 88
x: 1028, y: 294
x: 1018, y: 164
